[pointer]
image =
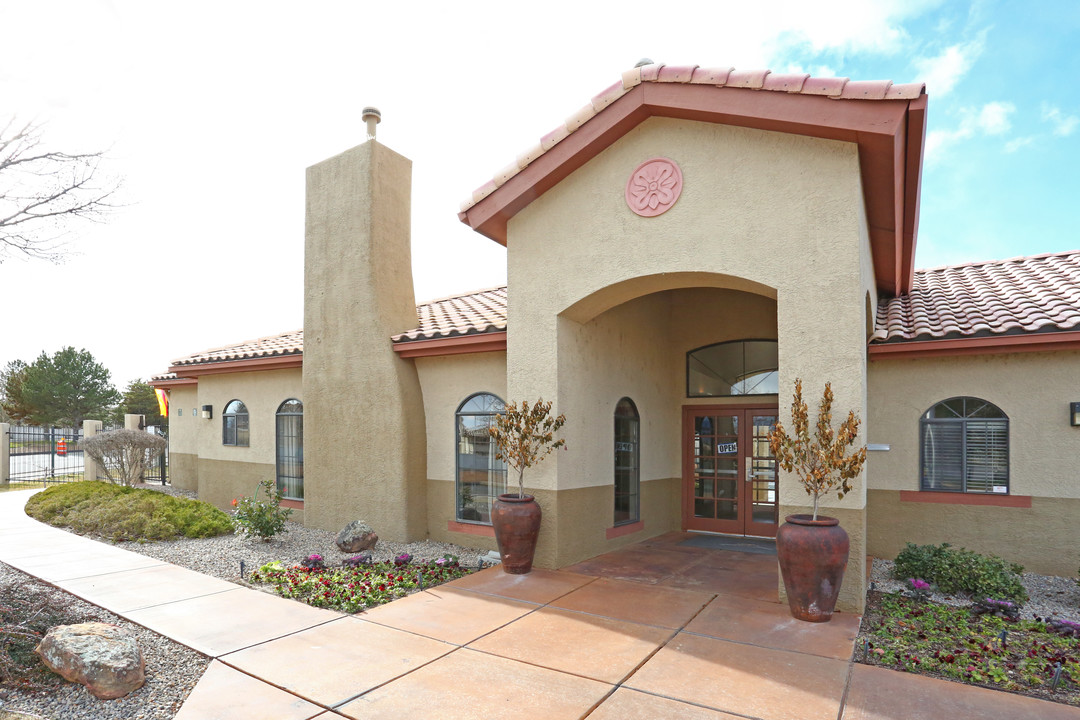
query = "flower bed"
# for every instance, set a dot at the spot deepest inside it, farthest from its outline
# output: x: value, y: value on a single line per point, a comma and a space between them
x: 973, y: 645
x: 354, y: 588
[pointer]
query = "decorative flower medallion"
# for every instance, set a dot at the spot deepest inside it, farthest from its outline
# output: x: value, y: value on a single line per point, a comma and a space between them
x: 653, y: 187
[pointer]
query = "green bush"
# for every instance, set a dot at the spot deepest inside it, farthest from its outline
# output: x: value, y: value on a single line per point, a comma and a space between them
x: 261, y: 518
x: 959, y: 570
x: 124, y: 513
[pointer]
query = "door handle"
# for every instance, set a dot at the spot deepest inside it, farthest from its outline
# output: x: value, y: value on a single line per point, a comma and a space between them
x: 749, y: 470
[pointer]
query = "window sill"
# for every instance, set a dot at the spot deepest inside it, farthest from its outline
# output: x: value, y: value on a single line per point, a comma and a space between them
x: 948, y: 498
x: 470, y: 528
x: 627, y: 529
x: 294, y: 504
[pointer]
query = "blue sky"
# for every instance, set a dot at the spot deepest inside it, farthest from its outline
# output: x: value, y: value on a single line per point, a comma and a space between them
x: 1000, y: 173
x: 212, y: 110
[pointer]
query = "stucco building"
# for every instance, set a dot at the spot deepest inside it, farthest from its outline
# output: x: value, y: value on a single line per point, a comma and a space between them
x: 678, y: 252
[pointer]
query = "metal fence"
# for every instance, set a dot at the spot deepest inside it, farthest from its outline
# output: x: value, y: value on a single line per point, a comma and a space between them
x: 45, y: 454
x: 160, y: 470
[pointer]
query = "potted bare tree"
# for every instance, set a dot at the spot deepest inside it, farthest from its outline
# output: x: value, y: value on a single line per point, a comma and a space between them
x: 524, y: 435
x: 813, y: 549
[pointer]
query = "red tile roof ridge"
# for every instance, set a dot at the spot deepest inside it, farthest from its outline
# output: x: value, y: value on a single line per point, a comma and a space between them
x: 255, y: 347
x: 980, y: 263
x: 755, y: 80
x: 495, y: 288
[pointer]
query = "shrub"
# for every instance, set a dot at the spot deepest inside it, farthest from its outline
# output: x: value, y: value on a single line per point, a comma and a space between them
x: 124, y: 455
x: 261, y: 518
x: 958, y: 570
x: 124, y: 513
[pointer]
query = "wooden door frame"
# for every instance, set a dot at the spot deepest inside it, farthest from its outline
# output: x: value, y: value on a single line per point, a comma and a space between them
x: 688, y: 413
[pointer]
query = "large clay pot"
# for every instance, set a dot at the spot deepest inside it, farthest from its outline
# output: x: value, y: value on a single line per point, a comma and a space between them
x: 813, y: 555
x: 517, y: 524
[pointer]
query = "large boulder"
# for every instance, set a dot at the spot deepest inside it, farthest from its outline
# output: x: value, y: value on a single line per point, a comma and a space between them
x: 103, y: 657
x: 356, y: 537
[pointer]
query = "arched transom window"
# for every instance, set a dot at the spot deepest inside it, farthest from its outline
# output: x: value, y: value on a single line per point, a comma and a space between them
x: 739, y: 367
x: 480, y: 477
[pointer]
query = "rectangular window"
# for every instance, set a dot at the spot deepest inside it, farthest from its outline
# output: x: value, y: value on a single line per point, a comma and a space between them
x: 966, y: 455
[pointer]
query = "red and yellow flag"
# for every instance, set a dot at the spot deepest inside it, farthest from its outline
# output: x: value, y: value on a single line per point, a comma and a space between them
x: 162, y: 401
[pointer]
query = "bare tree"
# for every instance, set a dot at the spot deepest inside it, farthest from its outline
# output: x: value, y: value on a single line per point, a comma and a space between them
x: 124, y: 455
x: 42, y: 190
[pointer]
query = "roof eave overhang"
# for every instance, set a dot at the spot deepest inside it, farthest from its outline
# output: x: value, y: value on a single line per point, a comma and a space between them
x: 457, y: 345
x: 165, y: 384
x: 890, y: 135
x: 276, y: 362
x: 989, y: 345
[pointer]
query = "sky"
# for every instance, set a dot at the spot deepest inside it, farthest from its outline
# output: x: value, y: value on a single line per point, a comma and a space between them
x: 210, y: 112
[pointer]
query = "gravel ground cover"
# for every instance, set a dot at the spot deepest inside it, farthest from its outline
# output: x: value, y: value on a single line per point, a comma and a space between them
x: 220, y: 556
x: 172, y: 670
x: 1050, y: 595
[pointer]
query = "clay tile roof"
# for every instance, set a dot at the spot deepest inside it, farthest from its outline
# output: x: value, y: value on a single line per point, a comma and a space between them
x: 471, y: 314
x: 163, y: 376
x: 755, y: 80
x: 290, y: 343
x: 478, y: 312
x: 1038, y: 294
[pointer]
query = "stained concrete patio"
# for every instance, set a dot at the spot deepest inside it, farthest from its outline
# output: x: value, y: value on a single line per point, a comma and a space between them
x: 661, y: 629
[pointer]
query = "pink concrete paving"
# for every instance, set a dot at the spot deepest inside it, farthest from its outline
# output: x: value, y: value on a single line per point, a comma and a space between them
x: 697, y: 635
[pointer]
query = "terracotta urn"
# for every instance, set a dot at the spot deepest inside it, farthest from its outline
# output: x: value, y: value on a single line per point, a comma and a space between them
x: 813, y: 555
x: 517, y: 524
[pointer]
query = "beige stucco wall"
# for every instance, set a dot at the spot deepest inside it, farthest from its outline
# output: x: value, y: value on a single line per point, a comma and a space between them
x: 365, y: 445
x: 183, y: 437
x: 773, y: 214
x: 1034, y: 390
x: 198, y: 459
x: 447, y: 381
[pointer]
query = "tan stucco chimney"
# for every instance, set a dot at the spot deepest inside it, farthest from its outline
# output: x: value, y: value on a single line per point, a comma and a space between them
x: 365, y: 454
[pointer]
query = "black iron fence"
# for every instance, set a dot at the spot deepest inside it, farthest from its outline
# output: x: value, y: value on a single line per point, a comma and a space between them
x: 159, y: 471
x: 45, y: 454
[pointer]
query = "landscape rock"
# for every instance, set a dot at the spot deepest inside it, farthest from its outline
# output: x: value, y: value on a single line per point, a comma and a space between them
x: 103, y: 657
x: 356, y: 537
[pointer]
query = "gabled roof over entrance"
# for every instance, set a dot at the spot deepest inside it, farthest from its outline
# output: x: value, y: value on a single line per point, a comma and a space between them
x: 886, y: 121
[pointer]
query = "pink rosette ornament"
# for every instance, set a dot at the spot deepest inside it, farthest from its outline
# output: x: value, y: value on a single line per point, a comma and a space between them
x: 653, y: 187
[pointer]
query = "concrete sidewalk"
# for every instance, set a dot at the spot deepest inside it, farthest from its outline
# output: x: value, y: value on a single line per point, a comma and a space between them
x: 700, y: 635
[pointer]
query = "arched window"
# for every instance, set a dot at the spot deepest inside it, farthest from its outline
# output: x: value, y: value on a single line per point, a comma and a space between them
x: 627, y: 463
x: 290, y: 449
x: 739, y: 367
x: 234, y: 424
x: 480, y: 477
x: 964, y: 446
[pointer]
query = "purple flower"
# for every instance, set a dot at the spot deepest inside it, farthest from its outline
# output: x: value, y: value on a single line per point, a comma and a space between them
x: 919, y: 584
x: 402, y: 559
x: 315, y: 557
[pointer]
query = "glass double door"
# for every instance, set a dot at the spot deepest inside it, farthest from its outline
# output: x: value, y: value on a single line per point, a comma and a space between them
x: 729, y: 474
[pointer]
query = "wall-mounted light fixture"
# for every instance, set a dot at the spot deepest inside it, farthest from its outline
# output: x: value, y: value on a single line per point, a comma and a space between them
x: 207, y: 412
x: 1074, y: 414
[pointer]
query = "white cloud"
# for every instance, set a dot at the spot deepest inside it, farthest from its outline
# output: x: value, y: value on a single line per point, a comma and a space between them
x: 1017, y: 143
x: 942, y: 72
x: 991, y: 119
x: 1064, y: 125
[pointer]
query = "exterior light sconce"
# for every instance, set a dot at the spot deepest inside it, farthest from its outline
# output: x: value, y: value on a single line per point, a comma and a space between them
x: 1074, y: 414
x: 207, y: 412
